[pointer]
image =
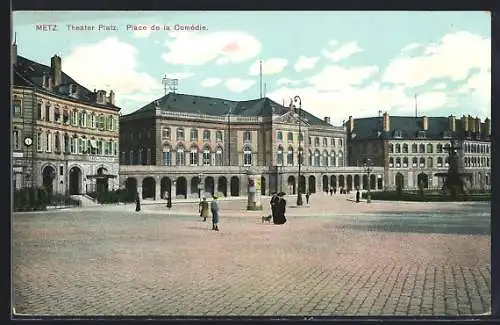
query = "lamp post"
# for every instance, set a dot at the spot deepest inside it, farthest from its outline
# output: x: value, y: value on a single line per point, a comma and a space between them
x: 296, y: 103
x: 368, y: 169
x: 228, y: 134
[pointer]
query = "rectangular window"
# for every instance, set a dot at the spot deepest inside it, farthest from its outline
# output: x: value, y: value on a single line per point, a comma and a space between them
x: 180, y: 134
x: 15, y: 139
x: 218, y: 136
x: 180, y: 158
x: 194, y: 134
x: 16, y: 108
x: 279, y: 135
x: 206, y: 158
x: 61, y: 170
x: 167, y: 158
x: 39, y: 144
x: 49, y: 142
x: 193, y: 158
x: 247, y: 136
x: 206, y: 135
x: 166, y: 133
x: 39, y: 111
x: 218, y: 158
x: 148, y: 157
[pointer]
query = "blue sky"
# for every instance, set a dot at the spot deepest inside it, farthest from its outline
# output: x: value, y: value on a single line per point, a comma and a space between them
x: 340, y: 63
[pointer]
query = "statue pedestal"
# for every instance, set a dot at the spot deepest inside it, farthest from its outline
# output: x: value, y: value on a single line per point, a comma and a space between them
x: 254, y: 195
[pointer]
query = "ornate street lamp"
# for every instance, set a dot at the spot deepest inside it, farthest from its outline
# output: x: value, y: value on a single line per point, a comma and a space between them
x: 367, y: 166
x: 296, y: 104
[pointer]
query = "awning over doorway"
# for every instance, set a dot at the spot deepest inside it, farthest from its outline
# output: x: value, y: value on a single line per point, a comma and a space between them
x: 101, y: 176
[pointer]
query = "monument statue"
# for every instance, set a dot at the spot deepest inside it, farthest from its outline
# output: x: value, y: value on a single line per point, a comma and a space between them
x: 453, y: 180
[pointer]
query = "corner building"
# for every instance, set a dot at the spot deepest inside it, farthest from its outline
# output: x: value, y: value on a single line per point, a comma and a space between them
x: 193, y: 145
x: 413, y: 149
x: 64, y: 136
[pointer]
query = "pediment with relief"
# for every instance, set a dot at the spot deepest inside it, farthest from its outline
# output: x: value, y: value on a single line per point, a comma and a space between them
x: 289, y: 118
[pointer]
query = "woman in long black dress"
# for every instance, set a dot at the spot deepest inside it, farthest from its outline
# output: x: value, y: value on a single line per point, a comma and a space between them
x: 274, y: 207
x: 281, y: 211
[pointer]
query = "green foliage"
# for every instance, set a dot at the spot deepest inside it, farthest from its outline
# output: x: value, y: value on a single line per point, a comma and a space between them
x: 427, y: 196
x: 31, y: 199
x: 120, y: 195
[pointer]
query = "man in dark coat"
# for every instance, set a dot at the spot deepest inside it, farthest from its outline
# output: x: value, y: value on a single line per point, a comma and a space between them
x: 274, y: 206
x: 307, y: 197
x: 137, y: 203
x: 357, y: 195
x: 281, y: 209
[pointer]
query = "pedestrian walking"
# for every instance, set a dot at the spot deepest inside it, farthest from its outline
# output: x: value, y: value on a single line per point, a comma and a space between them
x: 331, y: 191
x: 203, y: 209
x: 137, y: 203
x: 274, y: 206
x: 169, y: 200
x: 215, y: 208
x: 334, y: 190
x: 280, y: 210
x: 357, y: 195
x: 307, y: 197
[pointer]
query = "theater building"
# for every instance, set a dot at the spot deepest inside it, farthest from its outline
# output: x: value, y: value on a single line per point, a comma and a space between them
x: 64, y: 136
x: 415, y: 149
x: 191, y: 145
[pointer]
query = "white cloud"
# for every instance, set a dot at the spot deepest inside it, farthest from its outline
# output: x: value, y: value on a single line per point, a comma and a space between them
x: 200, y: 48
x: 359, y: 102
x: 410, y: 47
x: 441, y: 86
x: 305, y: 63
x: 453, y: 57
x: 238, y: 85
x: 179, y: 75
x: 333, y: 43
x: 111, y: 63
x: 210, y: 82
x: 478, y: 89
x: 269, y: 67
x: 337, y: 77
x: 345, y: 51
x: 287, y: 82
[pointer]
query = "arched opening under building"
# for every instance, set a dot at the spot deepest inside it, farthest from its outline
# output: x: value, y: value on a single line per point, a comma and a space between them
x: 326, y: 186
x: 373, y: 182
x: 49, y: 175
x: 342, y: 181
x: 181, y: 187
x: 302, y: 184
x: 101, y: 180
x: 423, y: 179
x: 400, y: 180
x: 379, y: 182
x: 222, y: 185
x: 349, y: 182
x: 209, y: 186
x: 292, y: 186
x: 131, y: 187
x: 165, y: 187
x: 235, y: 186
x: 333, y: 181
x: 356, y: 182
x: 195, y: 186
x: 365, y: 182
x: 148, y: 188
x: 312, y: 184
x: 75, y: 181
x: 262, y: 185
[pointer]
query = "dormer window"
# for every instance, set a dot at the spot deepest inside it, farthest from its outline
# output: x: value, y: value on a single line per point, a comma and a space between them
x: 421, y: 134
x: 398, y: 134
x: 446, y: 135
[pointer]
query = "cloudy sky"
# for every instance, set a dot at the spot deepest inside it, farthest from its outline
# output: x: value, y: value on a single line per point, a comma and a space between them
x: 340, y: 63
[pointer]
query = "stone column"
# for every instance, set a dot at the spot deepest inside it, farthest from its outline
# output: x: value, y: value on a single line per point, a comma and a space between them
x: 253, y: 190
x: 173, y: 189
x: 157, y: 188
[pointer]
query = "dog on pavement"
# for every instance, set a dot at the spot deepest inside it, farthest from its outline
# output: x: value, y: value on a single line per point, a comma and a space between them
x: 267, y: 219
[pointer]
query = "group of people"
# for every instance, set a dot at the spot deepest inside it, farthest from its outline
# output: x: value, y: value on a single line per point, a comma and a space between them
x: 278, y: 208
x: 333, y: 190
x: 214, y: 207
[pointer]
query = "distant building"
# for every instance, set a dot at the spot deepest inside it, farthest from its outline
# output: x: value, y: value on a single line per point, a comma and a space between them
x: 64, y: 136
x: 188, y: 144
x: 414, y: 149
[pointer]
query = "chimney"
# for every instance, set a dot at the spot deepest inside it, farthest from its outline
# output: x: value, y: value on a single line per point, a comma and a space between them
x: 487, y: 126
x: 478, y: 125
x: 327, y: 119
x: 465, y: 123
x: 13, y: 51
x: 472, y: 125
x: 111, y: 97
x: 55, y: 70
x: 452, y: 125
x: 101, y: 97
x: 425, y: 123
x: 351, y: 124
x: 387, y: 124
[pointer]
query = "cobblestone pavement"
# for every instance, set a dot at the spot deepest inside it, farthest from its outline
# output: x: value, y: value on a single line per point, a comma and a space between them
x: 333, y: 258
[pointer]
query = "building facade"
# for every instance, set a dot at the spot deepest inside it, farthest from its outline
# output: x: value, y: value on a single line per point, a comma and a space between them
x: 415, y: 149
x: 64, y: 136
x: 192, y: 145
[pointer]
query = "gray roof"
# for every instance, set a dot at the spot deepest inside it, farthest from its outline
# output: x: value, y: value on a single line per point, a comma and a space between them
x: 185, y: 103
x: 28, y: 73
x: 409, y: 126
